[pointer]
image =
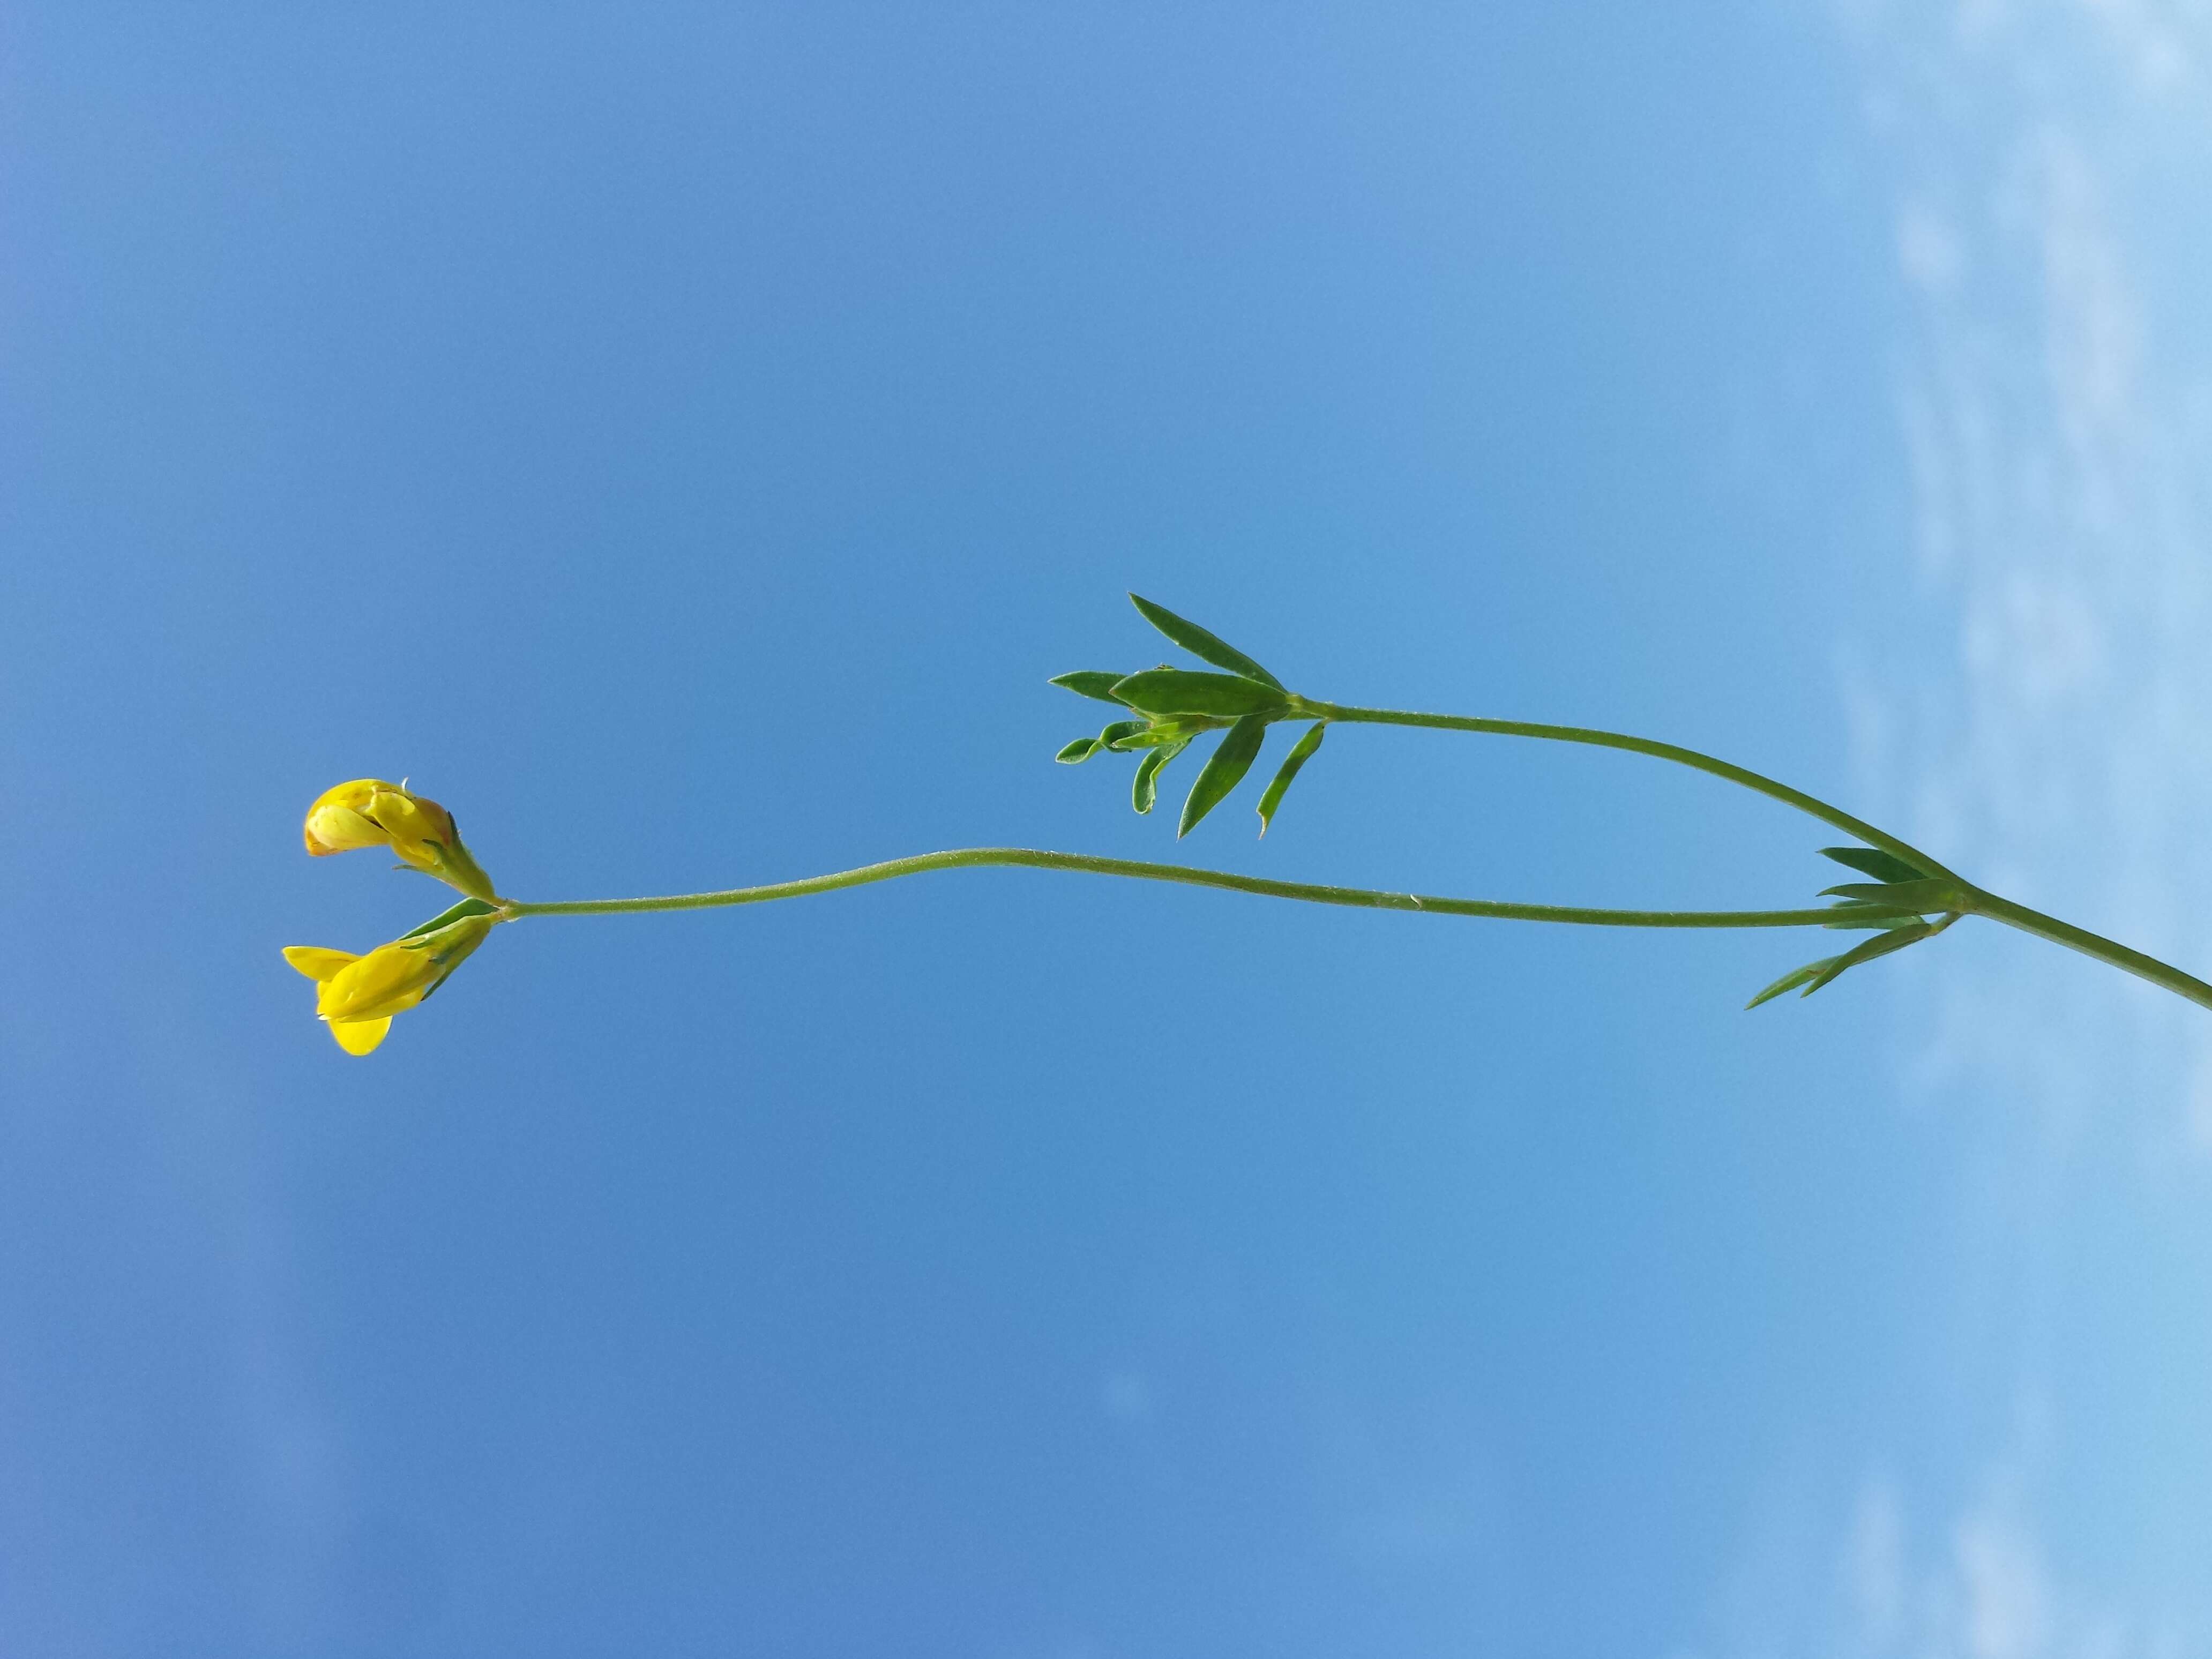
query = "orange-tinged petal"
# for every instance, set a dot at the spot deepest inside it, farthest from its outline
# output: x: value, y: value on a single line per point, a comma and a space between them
x: 316, y: 962
x: 370, y: 812
x: 358, y: 1037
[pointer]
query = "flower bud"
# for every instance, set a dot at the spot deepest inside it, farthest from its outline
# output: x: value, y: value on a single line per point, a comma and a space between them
x: 370, y: 812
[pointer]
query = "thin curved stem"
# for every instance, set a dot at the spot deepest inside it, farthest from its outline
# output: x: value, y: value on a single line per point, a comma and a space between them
x: 965, y: 857
x: 1666, y: 752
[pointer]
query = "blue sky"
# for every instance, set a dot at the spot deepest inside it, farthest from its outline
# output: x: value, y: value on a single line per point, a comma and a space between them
x: 683, y: 439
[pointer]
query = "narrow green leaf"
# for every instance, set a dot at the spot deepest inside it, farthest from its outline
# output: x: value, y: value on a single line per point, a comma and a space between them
x: 1882, y: 866
x: 461, y: 912
x: 1179, y: 691
x: 1923, y: 894
x: 1224, y: 769
x: 1145, y: 788
x: 1076, y: 752
x: 1088, y: 683
x: 1113, y: 735
x: 1790, y: 982
x: 1880, y: 945
x: 1148, y: 771
x: 1200, y: 643
x: 1297, y: 757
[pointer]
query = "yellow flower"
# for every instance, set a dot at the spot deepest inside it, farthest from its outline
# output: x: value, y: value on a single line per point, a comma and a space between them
x: 370, y: 812
x: 357, y: 996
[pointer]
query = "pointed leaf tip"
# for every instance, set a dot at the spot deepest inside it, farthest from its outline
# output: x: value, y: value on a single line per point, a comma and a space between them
x: 1814, y: 975
x: 1088, y: 683
x: 1200, y: 643
x: 1224, y: 769
x: 1789, y: 981
x: 1882, y: 866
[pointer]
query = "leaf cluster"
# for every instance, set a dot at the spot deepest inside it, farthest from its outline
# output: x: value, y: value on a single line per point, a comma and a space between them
x: 1172, y: 706
x: 1895, y: 906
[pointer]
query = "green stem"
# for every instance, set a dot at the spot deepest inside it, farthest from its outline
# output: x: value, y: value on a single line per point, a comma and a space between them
x: 1666, y: 752
x: 966, y: 858
x: 2090, y: 944
x: 1976, y: 900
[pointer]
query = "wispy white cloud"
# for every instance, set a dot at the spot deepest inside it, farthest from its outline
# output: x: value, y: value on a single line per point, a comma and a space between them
x: 2049, y: 416
x: 2052, y: 403
x: 1873, y: 1567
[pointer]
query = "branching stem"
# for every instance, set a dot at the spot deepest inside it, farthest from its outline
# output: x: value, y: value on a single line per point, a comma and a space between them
x: 1970, y: 900
x: 1975, y: 901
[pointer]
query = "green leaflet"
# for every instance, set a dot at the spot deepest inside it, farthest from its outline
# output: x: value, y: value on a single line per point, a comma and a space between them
x: 1880, y: 945
x: 1200, y: 643
x: 1813, y: 974
x: 1088, y: 683
x: 1179, y: 691
x: 1143, y: 790
x: 1791, y: 981
x: 1923, y: 893
x: 1280, y: 784
x: 1224, y: 769
x: 1146, y: 784
x: 1882, y: 866
x: 1076, y: 752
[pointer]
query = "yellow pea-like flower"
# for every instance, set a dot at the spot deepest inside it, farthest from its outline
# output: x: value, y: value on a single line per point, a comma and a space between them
x: 370, y: 812
x: 357, y: 995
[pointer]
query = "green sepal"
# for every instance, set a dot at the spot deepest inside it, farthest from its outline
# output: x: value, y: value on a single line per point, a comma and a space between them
x: 461, y: 912
x: 1200, y: 643
x: 1882, y: 866
x: 1224, y: 769
x: 1791, y: 981
x: 1180, y: 691
x: 1880, y: 945
x: 1922, y: 894
x: 1088, y: 683
x: 1076, y: 753
x: 1280, y: 784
